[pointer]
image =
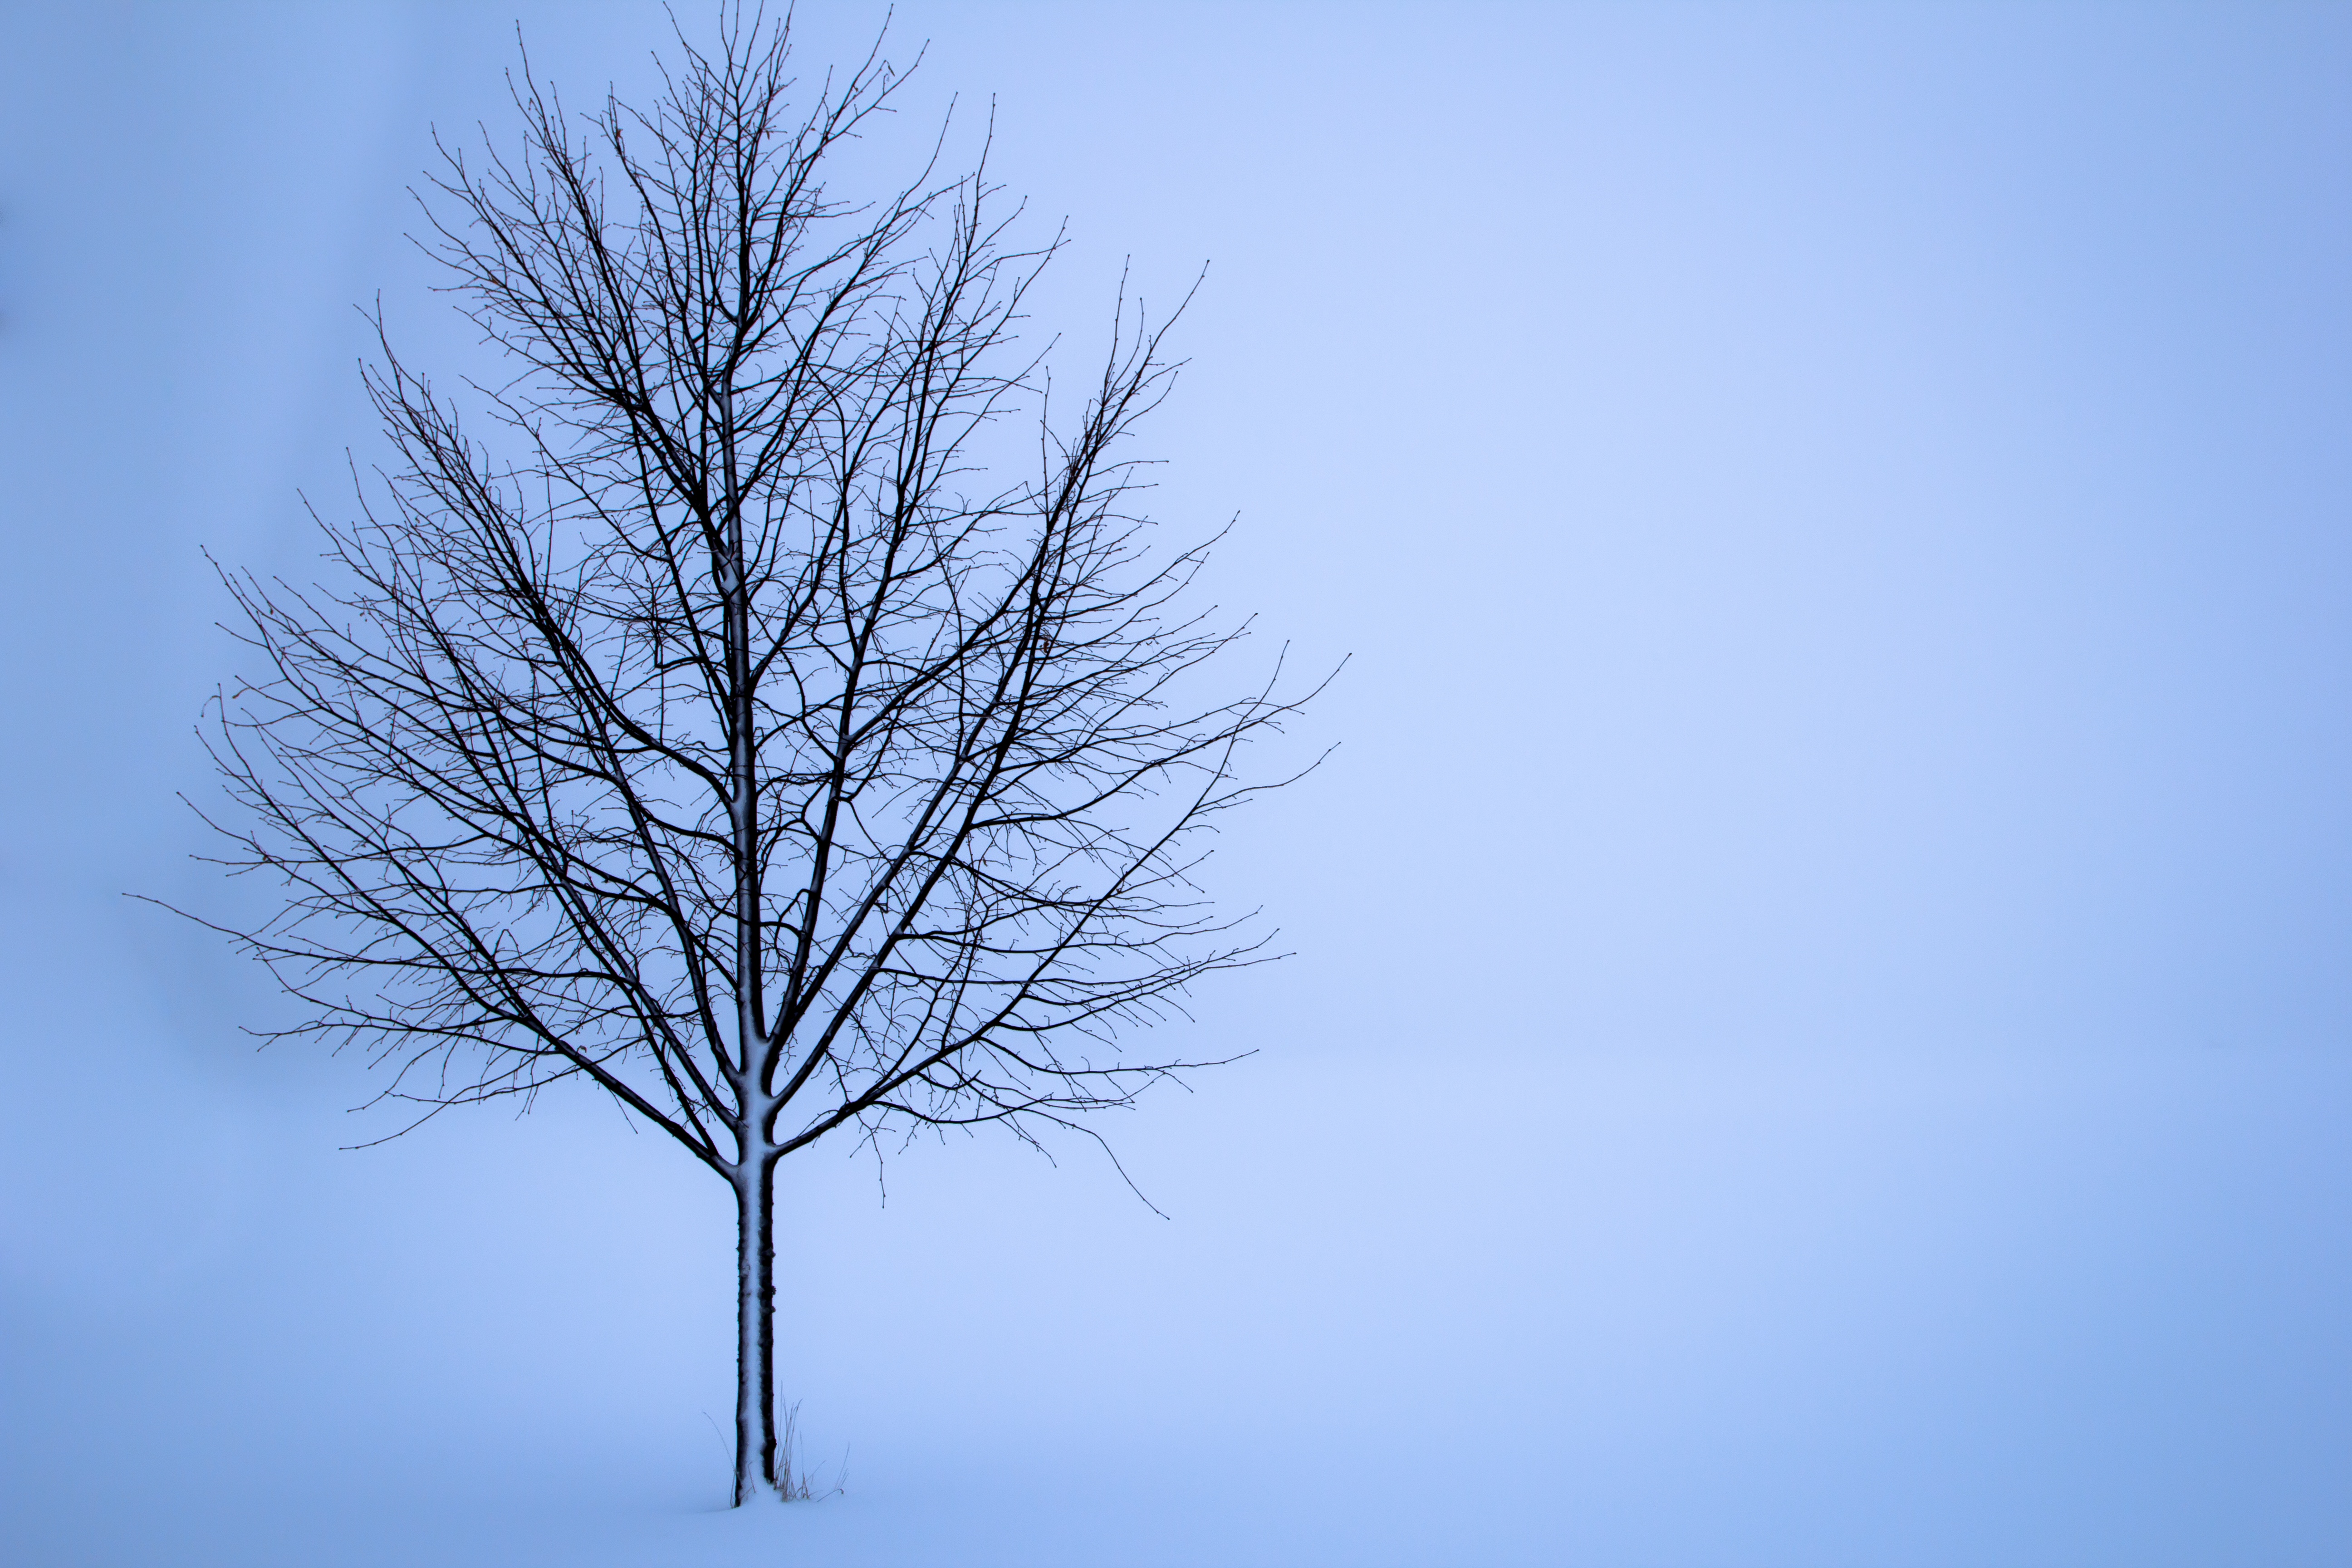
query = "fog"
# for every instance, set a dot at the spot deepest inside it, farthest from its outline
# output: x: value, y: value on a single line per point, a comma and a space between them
x: 1819, y: 1028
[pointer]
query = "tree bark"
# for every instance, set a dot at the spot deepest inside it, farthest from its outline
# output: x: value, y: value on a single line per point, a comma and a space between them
x: 755, y: 1317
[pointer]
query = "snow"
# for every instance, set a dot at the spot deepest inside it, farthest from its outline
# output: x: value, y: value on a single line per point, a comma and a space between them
x: 1819, y: 1035
x: 1704, y: 1310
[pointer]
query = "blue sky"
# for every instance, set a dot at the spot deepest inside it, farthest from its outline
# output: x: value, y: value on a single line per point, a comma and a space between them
x: 1820, y: 1029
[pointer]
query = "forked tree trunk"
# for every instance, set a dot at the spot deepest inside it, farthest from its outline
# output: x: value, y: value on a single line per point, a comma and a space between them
x: 755, y: 1319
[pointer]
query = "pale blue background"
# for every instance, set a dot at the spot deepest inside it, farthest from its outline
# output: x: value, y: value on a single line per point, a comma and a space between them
x: 1822, y: 1031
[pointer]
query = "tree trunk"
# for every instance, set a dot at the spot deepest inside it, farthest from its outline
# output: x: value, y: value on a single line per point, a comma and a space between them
x: 755, y: 1322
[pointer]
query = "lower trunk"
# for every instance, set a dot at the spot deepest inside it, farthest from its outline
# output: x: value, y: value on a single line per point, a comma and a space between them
x: 755, y: 1322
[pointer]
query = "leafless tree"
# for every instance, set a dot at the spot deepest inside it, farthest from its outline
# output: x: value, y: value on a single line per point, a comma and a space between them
x: 733, y: 709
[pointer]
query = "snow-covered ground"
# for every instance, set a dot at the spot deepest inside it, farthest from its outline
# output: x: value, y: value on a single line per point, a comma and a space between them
x: 1462, y: 1308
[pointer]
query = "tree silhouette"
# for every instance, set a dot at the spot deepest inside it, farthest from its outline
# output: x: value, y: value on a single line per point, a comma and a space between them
x: 735, y: 709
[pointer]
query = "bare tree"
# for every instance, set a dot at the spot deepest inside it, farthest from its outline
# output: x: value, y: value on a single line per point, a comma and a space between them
x: 730, y: 710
